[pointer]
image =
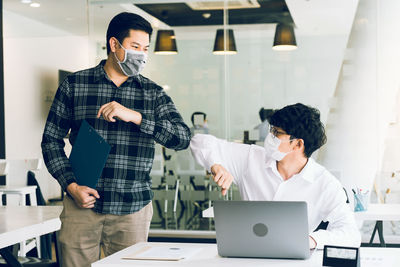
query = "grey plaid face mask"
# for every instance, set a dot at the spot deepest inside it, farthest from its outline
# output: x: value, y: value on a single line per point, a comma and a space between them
x: 133, y: 63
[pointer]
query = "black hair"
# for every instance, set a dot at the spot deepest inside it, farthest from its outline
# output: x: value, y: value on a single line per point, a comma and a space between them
x: 303, y: 122
x: 265, y: 114
x: 122, y: 23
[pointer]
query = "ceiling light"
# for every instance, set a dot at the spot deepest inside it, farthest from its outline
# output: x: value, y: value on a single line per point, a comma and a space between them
x: 26, y: 1
x: 165, y: 43
x: 219, y: 44
x: 35, y: 5
x: 284, y: 40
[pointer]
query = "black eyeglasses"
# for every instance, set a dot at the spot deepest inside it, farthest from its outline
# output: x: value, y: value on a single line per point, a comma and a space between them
x: 275, y: 132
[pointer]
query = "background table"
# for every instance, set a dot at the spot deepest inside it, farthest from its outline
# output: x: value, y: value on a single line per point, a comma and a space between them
x: 19, y: 223
x: 208, y: 256
x: 380, y: 213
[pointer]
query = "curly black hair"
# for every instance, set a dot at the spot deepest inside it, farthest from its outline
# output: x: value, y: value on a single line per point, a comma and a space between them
x: 303, y: 122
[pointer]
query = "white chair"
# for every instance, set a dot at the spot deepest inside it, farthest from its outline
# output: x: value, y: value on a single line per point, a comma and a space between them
x: 16, y: 180
x: 18, y: 169
x: 4, y: 167
x: 21, y: 192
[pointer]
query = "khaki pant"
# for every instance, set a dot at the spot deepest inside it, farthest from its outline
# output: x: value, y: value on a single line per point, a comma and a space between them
x: 83, y: 231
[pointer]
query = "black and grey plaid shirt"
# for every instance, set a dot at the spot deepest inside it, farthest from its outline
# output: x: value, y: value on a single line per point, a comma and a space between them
x: 125, y: 184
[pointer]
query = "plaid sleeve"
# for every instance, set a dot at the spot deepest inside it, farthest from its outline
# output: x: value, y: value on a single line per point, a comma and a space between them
x: 167, y: 126
x: 57, y: 126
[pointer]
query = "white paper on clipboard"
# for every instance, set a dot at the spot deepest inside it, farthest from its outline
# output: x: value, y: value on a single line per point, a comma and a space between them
x: 170, y: 253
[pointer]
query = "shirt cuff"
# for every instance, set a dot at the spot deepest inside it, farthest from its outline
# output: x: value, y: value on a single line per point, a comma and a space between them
x: 148, y: 124
x: 211, y: 161
x: 66, y: 181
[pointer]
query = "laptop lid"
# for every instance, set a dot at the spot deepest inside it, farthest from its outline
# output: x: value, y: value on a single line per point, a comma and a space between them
x: 262, y: 229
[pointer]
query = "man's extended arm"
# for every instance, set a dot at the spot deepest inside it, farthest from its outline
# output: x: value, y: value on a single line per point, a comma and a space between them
x: 227, y: 161
x: 166, y: 126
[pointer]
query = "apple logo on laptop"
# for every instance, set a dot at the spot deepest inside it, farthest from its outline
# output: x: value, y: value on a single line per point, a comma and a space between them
x: 260, y: 229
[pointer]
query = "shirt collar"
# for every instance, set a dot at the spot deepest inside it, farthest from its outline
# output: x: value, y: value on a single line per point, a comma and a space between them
x: 306, y: 173
x: 99, y: 73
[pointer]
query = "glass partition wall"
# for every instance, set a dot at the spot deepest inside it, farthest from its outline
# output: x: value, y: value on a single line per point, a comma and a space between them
x: 235, y: 62
x: 231, y: 60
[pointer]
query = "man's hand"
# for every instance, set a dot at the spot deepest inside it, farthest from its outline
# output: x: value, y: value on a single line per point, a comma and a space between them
x: 312, y: 242
x: 222, y: 177
x: 84, y: 196
x: 113, y: 110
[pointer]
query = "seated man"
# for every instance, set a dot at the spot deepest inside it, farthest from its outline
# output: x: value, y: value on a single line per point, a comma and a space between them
x: 283, y: 170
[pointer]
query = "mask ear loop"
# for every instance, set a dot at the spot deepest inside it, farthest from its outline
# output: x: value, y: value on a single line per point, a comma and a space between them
x: 124, y: 52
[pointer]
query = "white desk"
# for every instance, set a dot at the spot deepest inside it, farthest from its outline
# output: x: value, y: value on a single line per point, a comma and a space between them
x: 18, y: 223
x: 379, y: 213
x: 208, y: 256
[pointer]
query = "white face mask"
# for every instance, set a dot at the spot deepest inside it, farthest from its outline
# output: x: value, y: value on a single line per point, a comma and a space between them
x: 271, y: 145
x: 133, y: 63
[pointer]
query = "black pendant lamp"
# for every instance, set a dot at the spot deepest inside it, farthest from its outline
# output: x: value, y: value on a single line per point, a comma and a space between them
x: 219, y: 48
x: 165, y: 43
x: 284, y: 40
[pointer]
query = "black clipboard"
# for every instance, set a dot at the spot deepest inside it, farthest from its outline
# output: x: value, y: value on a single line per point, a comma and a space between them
x: 89, y: 155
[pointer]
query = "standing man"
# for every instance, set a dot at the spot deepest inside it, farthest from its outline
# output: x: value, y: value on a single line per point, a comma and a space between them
x: 130, y: 112
x: 283, y: 170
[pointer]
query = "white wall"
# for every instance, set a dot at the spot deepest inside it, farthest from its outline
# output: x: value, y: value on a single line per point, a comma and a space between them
x: 366, y: 96
x: 388, y: 38
x: 31, y: 67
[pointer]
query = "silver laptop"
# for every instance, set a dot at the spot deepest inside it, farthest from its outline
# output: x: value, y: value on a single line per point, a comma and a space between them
x: 262, y: 229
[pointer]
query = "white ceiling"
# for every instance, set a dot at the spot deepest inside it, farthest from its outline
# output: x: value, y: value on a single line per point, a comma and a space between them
x: 320, y: 17
x: 72, y: 17
x: 69, y: 16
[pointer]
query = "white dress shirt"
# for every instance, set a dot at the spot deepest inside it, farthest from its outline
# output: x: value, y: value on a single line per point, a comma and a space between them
x: 257, y: 178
